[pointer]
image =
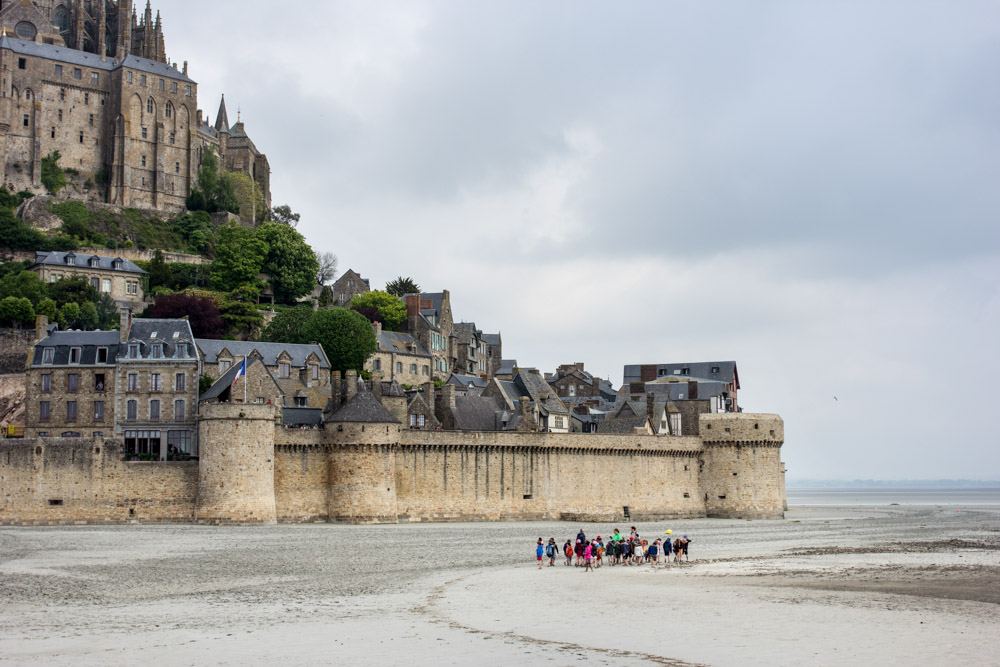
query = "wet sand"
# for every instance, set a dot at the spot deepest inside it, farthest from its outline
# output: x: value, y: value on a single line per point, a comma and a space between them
x: 828, y: 585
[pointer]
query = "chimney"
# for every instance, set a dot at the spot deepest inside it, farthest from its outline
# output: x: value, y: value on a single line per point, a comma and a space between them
x: 650, y: 402
x: 351, y: 380
x: 428, y: 392
x: 335, y: 389
x: 185, y: 70
x: 41, y: 327
x: 201, y: 117
x: 448, y: 396
x: 692, y: 389
x: 377, y: 326
x: 377, y: 389
x: 412, y: 305
x: 124, y: 324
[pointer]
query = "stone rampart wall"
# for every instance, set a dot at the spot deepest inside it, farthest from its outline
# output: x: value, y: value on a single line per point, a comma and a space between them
x: 64, y: 480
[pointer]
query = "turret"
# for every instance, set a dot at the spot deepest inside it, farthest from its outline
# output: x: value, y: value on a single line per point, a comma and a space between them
x: 742, y: 475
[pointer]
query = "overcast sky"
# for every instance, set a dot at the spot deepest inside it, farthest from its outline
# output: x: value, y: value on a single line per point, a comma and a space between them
x: 811, y: 189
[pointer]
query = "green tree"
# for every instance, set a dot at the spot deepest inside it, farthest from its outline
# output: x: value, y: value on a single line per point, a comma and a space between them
x: 402, y: 286
x: 288, y: 326
x: 290, y: 262
x: 195, y: 227
x: 69, y: 315
x: 285, y: 215
x: 157, y: 271
x: 239, y: 257
x: 107, y: 313
x: 16, y: 310
x: 382, y: 307
x: 346, y: 337
x: 248, y: 195
x: 88, y: 316
x: 242, y: 319
x: 326, y: 296
x: 16, y: 235
x: 72, y: 290
x: 53, y: 177
x: 211, y: 192
x: 24, y: 283
x: 46, y: 307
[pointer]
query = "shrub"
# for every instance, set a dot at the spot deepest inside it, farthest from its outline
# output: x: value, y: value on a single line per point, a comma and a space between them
x: 203, y: 313
x: 53, y: 177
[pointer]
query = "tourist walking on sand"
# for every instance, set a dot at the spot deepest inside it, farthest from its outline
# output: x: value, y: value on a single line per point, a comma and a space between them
x: 539, y: 552
x: 588, y: 557
x: 667, y: 547
x: 578, y: 549
x: 550, y: 551
x: 651, y: 553
x: 568, y: 552
x: 687, y: 547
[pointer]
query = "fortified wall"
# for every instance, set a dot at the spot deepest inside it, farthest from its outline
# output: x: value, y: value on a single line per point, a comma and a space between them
x: 254, y: 471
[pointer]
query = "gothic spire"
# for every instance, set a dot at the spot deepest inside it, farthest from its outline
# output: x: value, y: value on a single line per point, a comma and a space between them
x: 221, y: 119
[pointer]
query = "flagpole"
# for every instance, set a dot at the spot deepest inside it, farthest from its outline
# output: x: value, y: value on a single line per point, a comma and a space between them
x: 245, y: 379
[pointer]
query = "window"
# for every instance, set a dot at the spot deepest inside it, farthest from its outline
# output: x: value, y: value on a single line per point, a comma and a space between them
x: 47, y: 383
x: 156, y: 352
x: 377, y: 364
x: 180, y: 382
x: 149, y: 105
x: 178, y: 442
x: 48, y: 354
x: 142, y: 80
x: 154, y: 382
x: 173, y: 137
x: 133, y: 382
x: 284, y: 369
x: 426, y: 369
x: 102, y: 356
x: 128, y: 76
x: 131, y: 288
x: 52, y: 132
x: 81, y: 136
x: 95, y: 78
x: 154, y: 409
x: 91, y: 120
x: 169, y: 110
x: 26, y: 120
x: 225, y: 365
x: 715, y: 369
x: 413, y: 368
x: 116, y: 264
x: 106, y: 285
x: 173, y: 86
x: 314, y: 371
x: 143, y: 442
x: 413, y: 421
x: 60, y: 115
x: 71, y: 411
x: 132, y: 410
x: 86, y: 99
x: 72, y: 382
x: 300, y: 401
x: 399, y: 366
x: 179, y: 409
x: 44, y: 410
x: 163, y: 84
x: 22, y: 63
x: 177, y: 166
x: 572, y: 389
x: 74, y: 355
x: 133, y: 350
x: 58, y: 71
x: 182, y: 351
x: 77, y: 73
x: 187, y: 90
x: 559, y: 422
x: 98, y: 381
x: 676, y: 424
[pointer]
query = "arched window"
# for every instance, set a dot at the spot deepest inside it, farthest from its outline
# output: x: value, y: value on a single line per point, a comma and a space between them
x: 170, y: 110
x: 61, y: 18
x: 26, y: 30
x: 149, y: 105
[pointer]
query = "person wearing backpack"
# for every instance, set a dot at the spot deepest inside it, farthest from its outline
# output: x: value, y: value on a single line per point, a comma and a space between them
x: 568, y: 552
x: 539, y: 551
x: 550, y: 551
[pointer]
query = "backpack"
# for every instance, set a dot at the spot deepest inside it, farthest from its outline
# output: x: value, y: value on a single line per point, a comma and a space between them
x: 550, y: 550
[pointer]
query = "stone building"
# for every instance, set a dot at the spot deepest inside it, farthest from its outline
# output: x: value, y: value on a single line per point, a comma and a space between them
x: 400, y: 358
x: 429, y: 320
x: 348, y: 286
x: 91, y: 80
x: 138, y: 384
x: 636, y: 377
x: 301, y: 371
x: 471, y: 350
x: 121, y: 279
x: 571, y: 380
x: 529, y: 396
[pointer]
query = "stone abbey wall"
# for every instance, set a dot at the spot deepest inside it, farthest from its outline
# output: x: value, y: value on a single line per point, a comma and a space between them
x: 254, y: 471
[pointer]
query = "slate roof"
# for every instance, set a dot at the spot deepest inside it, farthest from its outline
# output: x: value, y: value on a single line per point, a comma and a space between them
x: 363, y: 408
x: 401, y: 343
x: 507, y: 366
x: 699, y: 369
x: 534, y: 386
x: 224, y: 382
x: 491, y: 339
x: 623, y: 425
x: 91, y: 60
x: 82, y: 260
x: 465, y: 380
x: 679, y: 391
x: 301, y: 416
x: 87, y: 341
x: 269, y: 352
x: 477, y: 413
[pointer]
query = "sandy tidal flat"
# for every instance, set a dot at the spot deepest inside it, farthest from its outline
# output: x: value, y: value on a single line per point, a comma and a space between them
x: 830, y: 585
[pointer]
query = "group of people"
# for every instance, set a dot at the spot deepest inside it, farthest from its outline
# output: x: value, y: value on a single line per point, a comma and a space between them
x: 618, y: 549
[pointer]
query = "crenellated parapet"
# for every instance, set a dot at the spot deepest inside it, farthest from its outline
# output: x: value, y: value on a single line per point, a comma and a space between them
x: 742, y: 476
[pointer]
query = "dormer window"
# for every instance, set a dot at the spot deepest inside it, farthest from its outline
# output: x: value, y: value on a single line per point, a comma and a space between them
x: 117, y: 264
x: 156, y: 352
x: 715, y: 369
x: 69, y: 259
x: 284, y: 369
x: 48, y: 355
x: 95, y: 262
x: 181, y: 351
x: 74, y: 355
x: 133, y: 350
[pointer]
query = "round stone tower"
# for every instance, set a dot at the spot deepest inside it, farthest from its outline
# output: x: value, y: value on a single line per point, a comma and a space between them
x: 362, y: 462
x: 236, y: 463
x: 742, y: 476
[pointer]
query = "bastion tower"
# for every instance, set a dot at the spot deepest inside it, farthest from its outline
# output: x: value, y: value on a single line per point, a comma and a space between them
x: 236, y: 463
x: 362, y: 461
x: 742, y: 475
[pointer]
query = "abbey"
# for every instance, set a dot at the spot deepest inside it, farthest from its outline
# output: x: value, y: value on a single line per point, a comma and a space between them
x: 91, y: 80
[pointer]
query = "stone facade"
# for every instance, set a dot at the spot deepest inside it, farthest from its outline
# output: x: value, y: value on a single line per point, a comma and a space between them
x: 399, y: 358
x: 117, y: 277
x: 254, y: 470
x: 92, y: 81
x: 348, y: 286
x: 429, y: 320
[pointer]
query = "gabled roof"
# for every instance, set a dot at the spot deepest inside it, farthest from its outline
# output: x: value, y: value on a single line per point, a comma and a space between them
x: 400, y: 343
x: 491, y: 339
x: 462, y: 380
x: 82, y: 260
x: 363, y: 408
x: 507, y: 366
x: 538, y: 390
x: 269, y: 352
x: 477, y: 413
x: 622, y: 425
x: 224, y: 382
